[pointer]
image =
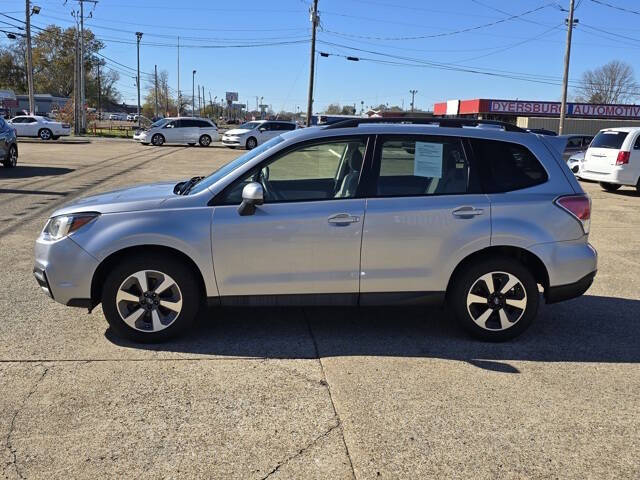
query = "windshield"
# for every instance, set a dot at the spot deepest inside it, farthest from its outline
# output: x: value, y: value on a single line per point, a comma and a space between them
x: 249, y: 125
x: 231, y: 166
x: 608, y: 139
x: 159, y: 123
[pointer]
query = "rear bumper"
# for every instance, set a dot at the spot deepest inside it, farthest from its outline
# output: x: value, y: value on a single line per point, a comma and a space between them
x: 618, y: 176
x: 569, y: 291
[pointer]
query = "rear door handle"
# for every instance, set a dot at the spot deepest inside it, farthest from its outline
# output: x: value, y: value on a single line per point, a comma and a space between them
x: 467, y: 212
x: 343, y: 219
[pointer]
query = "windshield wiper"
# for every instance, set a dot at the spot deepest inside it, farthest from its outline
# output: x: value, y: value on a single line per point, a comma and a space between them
x: 183, y: 188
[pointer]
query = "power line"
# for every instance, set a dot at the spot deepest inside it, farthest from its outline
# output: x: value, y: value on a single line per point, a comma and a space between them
x: 616, y: 7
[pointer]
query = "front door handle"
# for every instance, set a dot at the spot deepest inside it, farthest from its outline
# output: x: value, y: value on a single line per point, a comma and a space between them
x: 343, y: 219
x: 467, y: 212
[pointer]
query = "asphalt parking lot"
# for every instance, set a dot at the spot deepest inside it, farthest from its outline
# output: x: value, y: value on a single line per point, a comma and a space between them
x: 307, y: 393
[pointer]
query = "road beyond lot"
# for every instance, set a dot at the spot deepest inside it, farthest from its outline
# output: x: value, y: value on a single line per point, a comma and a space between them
x: 307, y: 393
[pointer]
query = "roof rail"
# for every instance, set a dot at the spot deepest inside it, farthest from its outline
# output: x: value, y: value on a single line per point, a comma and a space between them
x: 453, y: 122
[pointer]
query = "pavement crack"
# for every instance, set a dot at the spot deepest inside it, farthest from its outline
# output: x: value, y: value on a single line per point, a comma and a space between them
x: 302, y: 450
x: 8, y: 443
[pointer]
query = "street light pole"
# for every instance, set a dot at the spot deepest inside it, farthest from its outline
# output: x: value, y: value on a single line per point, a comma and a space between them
x: 413, y: 98
x: 29, y: 57
x: 193, y: 94
x: 565, y: 76
x: 138, y: 38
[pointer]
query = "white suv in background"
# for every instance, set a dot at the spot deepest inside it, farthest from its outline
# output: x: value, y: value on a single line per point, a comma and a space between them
x: 252, y: 134
x: 613, y: 158
x: 37, y: 126
x: 188, y: 130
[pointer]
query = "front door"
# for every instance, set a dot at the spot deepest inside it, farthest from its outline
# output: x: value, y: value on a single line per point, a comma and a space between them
x: 303, y: 243
x: 173, y: 132
x: 425, y: 213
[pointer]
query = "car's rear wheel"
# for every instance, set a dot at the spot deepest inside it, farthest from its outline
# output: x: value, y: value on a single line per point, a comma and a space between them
x: 157, y: 140
x: 251, y: 143
x: 45, y: 134
x: 609, y: 187
x: 12, y: 157
x: 205, y: 140
x: 150, y: 299
x: 495, y: 299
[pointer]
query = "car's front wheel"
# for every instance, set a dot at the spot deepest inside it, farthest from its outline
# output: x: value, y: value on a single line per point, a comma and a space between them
x: 609, y: 187
x: 12, y: 157
x: 495, y: 299
x: 157, y: 140
x: 251, y: 143
x: 150, y: 299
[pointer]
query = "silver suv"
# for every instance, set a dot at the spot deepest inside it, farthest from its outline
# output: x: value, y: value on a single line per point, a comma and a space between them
x: 362, y: 212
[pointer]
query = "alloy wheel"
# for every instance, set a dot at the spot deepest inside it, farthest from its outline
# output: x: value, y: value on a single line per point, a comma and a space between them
x: 496, y: 301
x: 45, y: 134
x: 149, y: 301
x: 13, y: 157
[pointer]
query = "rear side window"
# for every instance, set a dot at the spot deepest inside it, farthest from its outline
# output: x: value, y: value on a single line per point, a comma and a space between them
x: 287, y: 126
x: 507, y: 166
x: 204, y: 124
x: 609, y: 139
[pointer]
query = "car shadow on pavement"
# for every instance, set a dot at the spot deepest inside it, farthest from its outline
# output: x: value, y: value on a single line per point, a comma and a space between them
x: 588, y: 329
x: 27, y: 171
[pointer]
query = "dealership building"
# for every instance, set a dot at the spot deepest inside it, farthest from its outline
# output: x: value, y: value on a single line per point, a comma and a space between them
x: 580, y: 118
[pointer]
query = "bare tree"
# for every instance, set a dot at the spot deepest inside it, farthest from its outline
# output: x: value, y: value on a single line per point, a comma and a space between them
x: 613, y: 82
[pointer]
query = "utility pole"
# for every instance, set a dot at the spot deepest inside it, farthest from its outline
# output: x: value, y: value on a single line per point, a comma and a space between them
x: 204, y: 102
x: 32, y: 106
x: 178, y: 106
x: 166, y: 99
x: 138, y: 38
x: 199, y: 107
x: 312, y: 63
x: 76, y: 81
x: 156, y: 88
x: 99, y: 95
x: 193, y: 94
x: 83, y: 100
x: 211, y: 103
x: 565, y: 76
x: 413, y: 98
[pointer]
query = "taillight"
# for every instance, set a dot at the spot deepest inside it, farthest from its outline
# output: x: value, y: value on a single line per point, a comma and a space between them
x: 579, y: 206
x: 623, y: 158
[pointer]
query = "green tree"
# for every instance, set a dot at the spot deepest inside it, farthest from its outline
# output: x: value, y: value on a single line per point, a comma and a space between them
x: 333, y: 109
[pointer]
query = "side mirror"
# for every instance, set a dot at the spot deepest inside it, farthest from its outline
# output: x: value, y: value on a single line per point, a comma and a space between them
x: 262, y: 129
x: 252, y: 195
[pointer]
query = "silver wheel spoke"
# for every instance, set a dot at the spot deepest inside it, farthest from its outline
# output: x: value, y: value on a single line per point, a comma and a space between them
x: 512, y: 282
x: 133, y: 317
x: 166, y: 283
x: 155, y: 321
x: 521, y: 304
x: 142, y: 280
x: 488, y: 281
x: 504, y: 320
x: 473, y: 298
x: 123, y: 296
x: 174, y: 306
x: 482, y: 319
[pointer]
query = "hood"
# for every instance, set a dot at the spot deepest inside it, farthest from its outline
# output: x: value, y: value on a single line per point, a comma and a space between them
x: 142, y: 197
x: 237, y: 131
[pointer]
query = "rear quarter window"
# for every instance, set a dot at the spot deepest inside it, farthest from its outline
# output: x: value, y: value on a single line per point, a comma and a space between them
x: 506, y: 166
x: 609, y: 139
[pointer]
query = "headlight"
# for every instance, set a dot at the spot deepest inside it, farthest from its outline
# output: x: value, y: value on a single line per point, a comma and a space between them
x: 62, y: 225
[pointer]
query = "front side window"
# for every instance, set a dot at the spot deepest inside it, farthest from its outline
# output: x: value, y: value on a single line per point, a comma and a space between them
x: 507, y: 166
x: 320, y: 171
x: 173, y: 124
x: 422, y: 166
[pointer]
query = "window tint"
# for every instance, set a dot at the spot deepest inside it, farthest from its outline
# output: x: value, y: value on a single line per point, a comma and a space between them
x: 312, y: 172
x: 30, y: 120
x: 203, y: 124
x: 507, y: 166
x: 609, y: 139
x: 586, y: 141
x: 173, y: 124
x: 267, y: 127
x: 422, y: 166
x: 287, y: 126
x: 574, y: 142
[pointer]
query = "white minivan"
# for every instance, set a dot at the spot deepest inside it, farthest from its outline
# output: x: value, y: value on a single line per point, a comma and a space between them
x: 188, y: 130
x: 613, y: 158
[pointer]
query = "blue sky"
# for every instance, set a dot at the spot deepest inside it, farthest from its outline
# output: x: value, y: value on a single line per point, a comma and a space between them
x: 530, y: 46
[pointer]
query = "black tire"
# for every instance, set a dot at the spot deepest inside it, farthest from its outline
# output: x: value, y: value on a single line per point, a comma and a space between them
x: 191, y: 144
x: 184, y: 277
x: 471, y: 276
x: 157, y: 140
x: 205, y: 140
x: 609, y: 187
x: 144, y: 143
x: 251, y: 143
x: 45, y: 134
x: 11, y: 159
x: 55, y: 137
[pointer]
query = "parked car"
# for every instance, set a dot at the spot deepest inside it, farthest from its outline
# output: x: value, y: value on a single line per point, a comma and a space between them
x: 188, y: 130
x: 575, y: 162
x: 356, y: 213
x: 576, y: 143
x: 117, y: 116
x: 41, y: 127
x: 613, y: 158
x: 252, y: 134
x: 8, y: 145
x: 130, y: 117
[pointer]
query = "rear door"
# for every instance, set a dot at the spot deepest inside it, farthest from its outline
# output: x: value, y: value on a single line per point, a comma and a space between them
x: 603, y: 151
x: 425, y: 213
x: 190, y: 130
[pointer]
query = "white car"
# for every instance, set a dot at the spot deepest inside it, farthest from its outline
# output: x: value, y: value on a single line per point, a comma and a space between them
x: 252, y: 134
x: 117, y: 116
x: 37, y: 126
x: 575, y: 163
x: 188, y: 130
x: 130, y: 117
x: 613, y: 158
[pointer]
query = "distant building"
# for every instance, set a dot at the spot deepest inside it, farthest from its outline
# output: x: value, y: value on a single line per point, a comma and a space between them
x: 45, y: 103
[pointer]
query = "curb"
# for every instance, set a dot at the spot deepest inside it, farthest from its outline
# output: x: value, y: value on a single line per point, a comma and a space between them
x: 79, y: 141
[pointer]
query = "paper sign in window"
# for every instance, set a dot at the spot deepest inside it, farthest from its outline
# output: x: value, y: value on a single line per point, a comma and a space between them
x: 428, y: 160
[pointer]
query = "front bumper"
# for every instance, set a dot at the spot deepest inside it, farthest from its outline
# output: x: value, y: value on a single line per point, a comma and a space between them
x: 64, y: 271
x: 231, y: 141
